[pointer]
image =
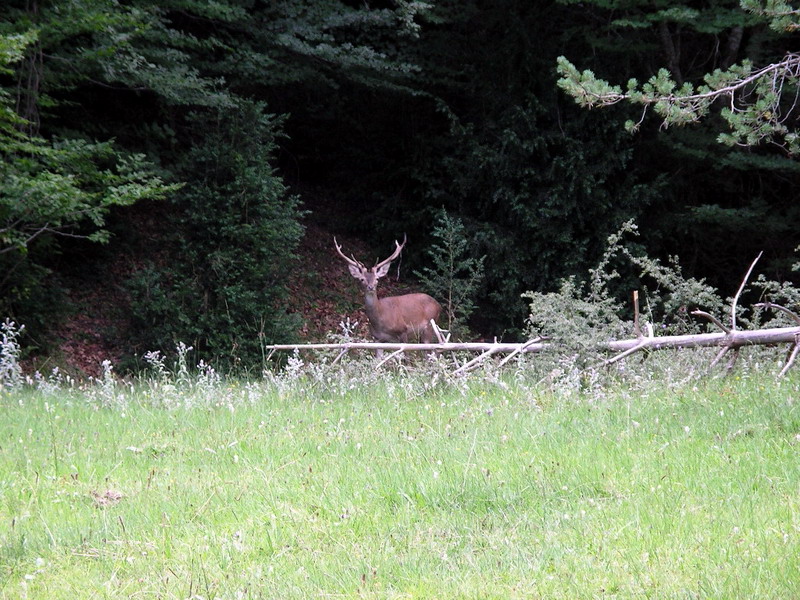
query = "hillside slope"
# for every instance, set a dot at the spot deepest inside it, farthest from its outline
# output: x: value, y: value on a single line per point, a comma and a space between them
x: 322, y: 292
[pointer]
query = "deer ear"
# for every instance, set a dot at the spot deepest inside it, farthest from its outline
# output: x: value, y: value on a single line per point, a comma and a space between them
x: 382, y: 270
x: 356, y: 272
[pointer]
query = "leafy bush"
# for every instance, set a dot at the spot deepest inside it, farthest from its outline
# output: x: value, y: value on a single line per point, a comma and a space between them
x: 582, y: 314
x: 544, y: 199
x: 222, y: 285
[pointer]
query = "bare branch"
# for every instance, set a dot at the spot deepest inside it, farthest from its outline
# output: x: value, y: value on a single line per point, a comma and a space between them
x: 732, y: 361
x: 520, y: 350
x: 726, y: 340
x: 340, y: 355
x: 36, y: 233
x: 475, y: 362
x: 768, y: 305
x: 791, y: 359
x: 712, y: 318
x: 440, y: 332
x: 644, y: 344
x: 390, y: 357
x: 739, y: 291
x: 719, y: 356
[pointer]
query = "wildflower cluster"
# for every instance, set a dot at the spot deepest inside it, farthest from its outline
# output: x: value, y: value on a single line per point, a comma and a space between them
x: 10, y: 369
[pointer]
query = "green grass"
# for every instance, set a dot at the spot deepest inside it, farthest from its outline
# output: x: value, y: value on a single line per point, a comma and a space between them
x: 401, y: 490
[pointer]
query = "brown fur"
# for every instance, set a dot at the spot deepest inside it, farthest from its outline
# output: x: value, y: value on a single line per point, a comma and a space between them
x: 402, y: 319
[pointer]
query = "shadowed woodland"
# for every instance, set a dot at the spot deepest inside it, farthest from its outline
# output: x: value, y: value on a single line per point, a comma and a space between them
x: 176, y: 171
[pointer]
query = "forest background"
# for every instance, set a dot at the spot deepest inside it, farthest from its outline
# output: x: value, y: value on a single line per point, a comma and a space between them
x: 174, y: 154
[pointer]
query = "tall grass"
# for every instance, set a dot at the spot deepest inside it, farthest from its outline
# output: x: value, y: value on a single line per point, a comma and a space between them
x: 317, y: 483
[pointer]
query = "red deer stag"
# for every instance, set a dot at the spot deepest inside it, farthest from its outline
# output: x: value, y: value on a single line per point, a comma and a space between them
x: 396, y: 318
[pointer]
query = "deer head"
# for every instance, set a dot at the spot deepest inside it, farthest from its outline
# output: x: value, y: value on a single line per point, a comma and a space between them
x: 395, y: 318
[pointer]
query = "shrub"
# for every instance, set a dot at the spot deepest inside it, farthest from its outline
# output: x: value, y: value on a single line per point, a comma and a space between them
x: 222, y: 288
x: 455, y: 275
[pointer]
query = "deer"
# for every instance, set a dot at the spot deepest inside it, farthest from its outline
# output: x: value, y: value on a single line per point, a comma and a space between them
x: 394, y: 318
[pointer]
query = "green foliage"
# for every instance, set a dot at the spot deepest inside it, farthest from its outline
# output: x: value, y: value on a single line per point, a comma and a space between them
x: 722, y: 203
x: 580, y: 315
x: 393, y: 109
x: 121, y: 45
x: 222, y: 285
x: 455, y: 275
x: 668, y: 293
x: 758, y: 101
x: 574, y: 322
x: 584, y: 86
x: 782, y: 16
x: 711, y: 18
x: 781, y: 293
x: 543, y: 200
x: 54, y: 187
x: 325, y: 43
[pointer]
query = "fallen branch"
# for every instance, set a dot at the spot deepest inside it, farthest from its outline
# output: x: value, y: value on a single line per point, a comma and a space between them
x: 783, y: 309
x: 733, y: 359
x: 626, y: 353
x: 792, y: 357
x: 475, y: 362
x: 712, y: 318
x: 388, y: 358
x: 407, y: 347
x: 741, y: 288
x: 730, y: 340
x: 523, y: 348
x: 719, y: 356
x: 733, y: 339
x: 341, y: 354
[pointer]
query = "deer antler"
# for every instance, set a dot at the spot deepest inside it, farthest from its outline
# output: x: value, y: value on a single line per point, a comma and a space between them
x: 395, y: 254
x: 350, y: 261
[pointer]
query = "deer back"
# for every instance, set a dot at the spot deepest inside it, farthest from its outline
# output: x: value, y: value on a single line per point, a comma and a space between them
x: 404, y: 318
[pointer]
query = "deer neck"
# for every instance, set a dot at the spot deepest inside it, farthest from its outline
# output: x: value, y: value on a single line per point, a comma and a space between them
x: 372, y: 306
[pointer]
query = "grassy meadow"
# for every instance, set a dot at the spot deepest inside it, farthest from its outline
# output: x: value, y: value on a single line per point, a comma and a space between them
x: 393, y: 486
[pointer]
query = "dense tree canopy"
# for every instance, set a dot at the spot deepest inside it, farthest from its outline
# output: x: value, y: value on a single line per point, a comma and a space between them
x: 175, y: 131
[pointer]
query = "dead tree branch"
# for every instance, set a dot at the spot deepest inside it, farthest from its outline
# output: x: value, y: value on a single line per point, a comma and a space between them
x: 725, y: 340
x: 475, y: 362
x: 783, y: 309
x: 523, y: 348
x: 741, y: 288
x: 792, y: 357
x: 712, y: 318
